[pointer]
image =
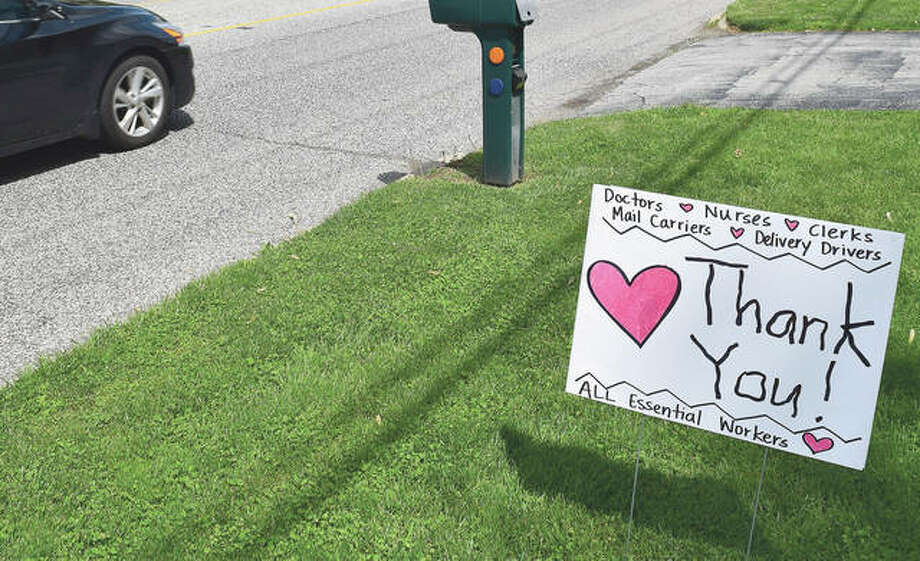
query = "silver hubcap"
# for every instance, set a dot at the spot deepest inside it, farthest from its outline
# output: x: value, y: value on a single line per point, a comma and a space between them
x: 138, y: 101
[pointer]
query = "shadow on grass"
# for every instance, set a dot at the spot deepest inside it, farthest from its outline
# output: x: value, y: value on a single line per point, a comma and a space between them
x: 849, y: 24
x: 899, y: 378
x: 701, y: 508
x: 333, y: 472
x: 852, y: 16
x: 470, y: 165
x: 881, y: 501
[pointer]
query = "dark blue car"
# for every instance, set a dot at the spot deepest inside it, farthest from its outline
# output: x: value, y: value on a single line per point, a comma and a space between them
x: 88, y: 68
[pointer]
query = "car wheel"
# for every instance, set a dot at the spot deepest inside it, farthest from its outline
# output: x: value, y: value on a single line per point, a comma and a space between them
x: 135, y: 103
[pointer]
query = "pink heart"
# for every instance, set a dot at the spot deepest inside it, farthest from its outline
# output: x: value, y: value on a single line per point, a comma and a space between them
x: 686, y: 207
x: 792, y: 224
x: 817, y: 446
x: 737, y: 232
x: 637, y: 306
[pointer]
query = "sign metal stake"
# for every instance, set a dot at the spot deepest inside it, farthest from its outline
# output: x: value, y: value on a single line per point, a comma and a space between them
x: 632, y: 503
x: 763, y: 469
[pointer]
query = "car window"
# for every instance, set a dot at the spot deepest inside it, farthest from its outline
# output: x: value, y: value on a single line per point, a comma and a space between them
x: 13, y: 10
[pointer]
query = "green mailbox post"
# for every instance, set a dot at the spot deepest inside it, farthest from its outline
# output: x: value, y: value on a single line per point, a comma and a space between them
x: 499, y: 24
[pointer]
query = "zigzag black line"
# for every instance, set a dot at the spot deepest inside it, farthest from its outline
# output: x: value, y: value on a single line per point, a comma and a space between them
x: 717, y: 406
x: 736, y: 244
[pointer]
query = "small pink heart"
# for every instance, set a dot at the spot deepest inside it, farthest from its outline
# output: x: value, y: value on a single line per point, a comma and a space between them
x: 737, y: 232
x: 686, y: 207
x: 792, y: 224
x: 817, y: 445
x: 637, y: 306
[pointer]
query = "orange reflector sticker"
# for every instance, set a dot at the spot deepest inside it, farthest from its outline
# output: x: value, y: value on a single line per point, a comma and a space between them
x: 496, y: 55
x: 176, y: 34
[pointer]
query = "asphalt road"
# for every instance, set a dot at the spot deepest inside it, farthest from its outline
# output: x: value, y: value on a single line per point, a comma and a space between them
x: 302, y: 106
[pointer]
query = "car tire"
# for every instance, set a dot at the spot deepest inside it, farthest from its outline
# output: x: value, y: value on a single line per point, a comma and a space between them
x: 135, y: 103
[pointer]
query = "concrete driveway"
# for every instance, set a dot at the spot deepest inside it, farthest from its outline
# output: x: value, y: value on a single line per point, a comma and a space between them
x: 781, y: 71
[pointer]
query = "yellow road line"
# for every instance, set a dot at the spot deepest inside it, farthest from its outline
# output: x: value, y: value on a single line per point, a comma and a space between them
x: 279, y: 18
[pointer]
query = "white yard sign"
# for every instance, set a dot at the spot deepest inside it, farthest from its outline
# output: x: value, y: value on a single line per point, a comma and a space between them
x: 764, y: 327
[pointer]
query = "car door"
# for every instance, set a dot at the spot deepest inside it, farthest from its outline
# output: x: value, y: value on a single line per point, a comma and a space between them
x: 35, y: 53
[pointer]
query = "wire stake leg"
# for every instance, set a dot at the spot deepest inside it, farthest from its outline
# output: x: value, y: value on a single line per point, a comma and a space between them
x: 632, y: 503
x: 763, y: 470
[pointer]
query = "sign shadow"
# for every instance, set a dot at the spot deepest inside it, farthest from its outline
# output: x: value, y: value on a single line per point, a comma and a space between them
x: 689, y: 507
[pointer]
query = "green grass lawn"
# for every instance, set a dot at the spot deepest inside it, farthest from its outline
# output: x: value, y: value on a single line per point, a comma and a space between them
x: 827, y: 15
x: 390, y: 384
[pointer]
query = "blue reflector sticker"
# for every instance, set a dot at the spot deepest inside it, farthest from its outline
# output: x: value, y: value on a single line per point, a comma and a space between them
x: 496, y: 87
